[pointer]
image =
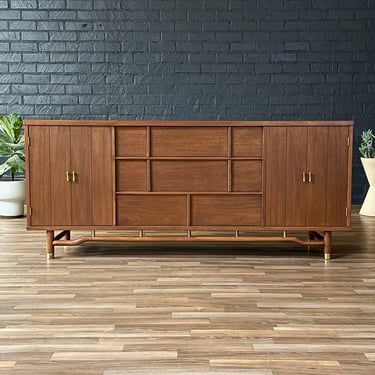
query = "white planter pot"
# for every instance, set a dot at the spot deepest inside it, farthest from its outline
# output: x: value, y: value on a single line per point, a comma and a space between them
x: 368, y: 206
x: 12, y: 198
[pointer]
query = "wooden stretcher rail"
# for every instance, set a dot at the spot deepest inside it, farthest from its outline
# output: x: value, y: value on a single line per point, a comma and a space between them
x: 315, y: 239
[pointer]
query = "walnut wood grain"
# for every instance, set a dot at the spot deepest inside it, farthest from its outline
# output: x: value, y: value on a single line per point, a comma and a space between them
x: 189, y: 176
x: 151, y: 210
x: 39, y: 185
x: 195, y: 175
x: 189, y: 141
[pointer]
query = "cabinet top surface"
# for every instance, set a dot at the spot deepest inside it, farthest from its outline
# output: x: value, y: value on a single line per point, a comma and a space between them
x: 35, y: 122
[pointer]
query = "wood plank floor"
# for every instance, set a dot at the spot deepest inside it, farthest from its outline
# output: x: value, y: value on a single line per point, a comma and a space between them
x: 116, y: 309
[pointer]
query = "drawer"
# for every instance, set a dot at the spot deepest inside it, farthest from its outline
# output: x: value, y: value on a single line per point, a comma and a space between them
x: 226, y: 210
x: 151, y: 210
x: 131, y: 141
x: 189, y: 141
x: 183, y: 175
x: 247, y: 175
x: 131, y: 175
x: 246, y: 142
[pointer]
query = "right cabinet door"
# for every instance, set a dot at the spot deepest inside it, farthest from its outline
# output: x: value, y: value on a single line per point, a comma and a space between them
x: 306, y: 176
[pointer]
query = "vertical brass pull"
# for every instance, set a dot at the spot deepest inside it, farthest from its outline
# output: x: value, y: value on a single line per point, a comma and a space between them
x: 310, y: 177
x: 303, y: 176
x: 74, y: 176
x: 67, y: 176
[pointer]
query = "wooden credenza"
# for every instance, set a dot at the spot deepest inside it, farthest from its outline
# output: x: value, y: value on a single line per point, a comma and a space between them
x: 188, y: 180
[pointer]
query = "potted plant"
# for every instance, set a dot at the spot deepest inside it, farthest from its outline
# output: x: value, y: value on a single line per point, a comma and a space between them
x: 367, y: 150
x: 12, y: 164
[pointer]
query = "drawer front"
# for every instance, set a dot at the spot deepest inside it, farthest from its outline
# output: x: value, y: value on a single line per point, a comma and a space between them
x: 131, y: 175
x: 247, y: 175
x: 246, y: 142
x: 189, y: 141
x: 182, y: 175
x: 152, y: 210
x: 226, y: 210
x: 131, y: 141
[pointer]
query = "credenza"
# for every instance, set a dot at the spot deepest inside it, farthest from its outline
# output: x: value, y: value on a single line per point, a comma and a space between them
x: 189, y: 181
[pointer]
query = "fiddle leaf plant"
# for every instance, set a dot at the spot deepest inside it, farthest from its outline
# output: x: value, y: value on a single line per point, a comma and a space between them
x: 12, y: 145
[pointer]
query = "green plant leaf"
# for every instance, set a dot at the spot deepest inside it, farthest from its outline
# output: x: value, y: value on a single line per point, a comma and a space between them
x: 366, y: 147
x: 12, y: 144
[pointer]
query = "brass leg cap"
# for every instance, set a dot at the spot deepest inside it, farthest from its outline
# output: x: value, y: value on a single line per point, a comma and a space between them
x: 50, y: 256
x: 327, y: 256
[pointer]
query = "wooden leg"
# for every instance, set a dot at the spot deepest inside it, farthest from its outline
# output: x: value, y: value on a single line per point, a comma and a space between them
x: 311, y: 238
x: 67, y: 235
x: 49, y: 246
x: 327, y: 245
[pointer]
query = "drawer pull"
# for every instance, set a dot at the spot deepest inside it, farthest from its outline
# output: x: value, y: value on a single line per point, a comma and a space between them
x: 303, y: 176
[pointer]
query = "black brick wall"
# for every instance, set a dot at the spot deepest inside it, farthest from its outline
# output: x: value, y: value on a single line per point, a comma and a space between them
x: 179, y: 59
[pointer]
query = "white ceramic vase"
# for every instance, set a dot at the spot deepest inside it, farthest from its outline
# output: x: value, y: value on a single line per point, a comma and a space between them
x: 368, y: 206
x: 12, y: 198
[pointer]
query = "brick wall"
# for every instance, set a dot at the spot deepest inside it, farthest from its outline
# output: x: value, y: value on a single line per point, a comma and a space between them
x: 190, y: 59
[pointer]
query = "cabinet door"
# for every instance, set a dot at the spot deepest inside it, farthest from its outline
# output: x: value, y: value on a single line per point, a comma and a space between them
x: 71, y: 177
x: 92, y: 179
x: 285, y: 186
x: 91, y: 163
x: 306, y: 176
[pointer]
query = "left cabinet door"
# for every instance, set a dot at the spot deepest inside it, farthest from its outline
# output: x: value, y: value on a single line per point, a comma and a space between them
x: 71, y: 181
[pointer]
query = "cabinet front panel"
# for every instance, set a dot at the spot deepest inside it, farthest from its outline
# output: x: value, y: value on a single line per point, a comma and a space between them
x: 226, y: 210
x: 337, y: 176
x: 39, y: 178
x: 81, y: 182
x: 131, y: 141
x: 61, y: 194
x: 247, y: 175
x: 183, y: 175
x: 246, y: 142
x: 316, y: 199
x: 189, y: 141
x: 295, y: 166
x: 158, y: 210
x: 131, y: 175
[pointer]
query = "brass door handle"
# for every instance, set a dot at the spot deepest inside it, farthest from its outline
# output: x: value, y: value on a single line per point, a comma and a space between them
x: 303, y: 176
x: 67, y: 176
x: 74, y: 178
x: 310, y: 177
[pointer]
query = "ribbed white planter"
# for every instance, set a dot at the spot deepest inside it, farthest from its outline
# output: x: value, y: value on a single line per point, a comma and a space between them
x: 368, y: 206
x: 12, y: 198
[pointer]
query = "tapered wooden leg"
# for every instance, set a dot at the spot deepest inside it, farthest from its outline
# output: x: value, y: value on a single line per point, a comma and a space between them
x: 311, y: 238
x: 327, y: 245
x: 49, y: 246
x: 67, y: 235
